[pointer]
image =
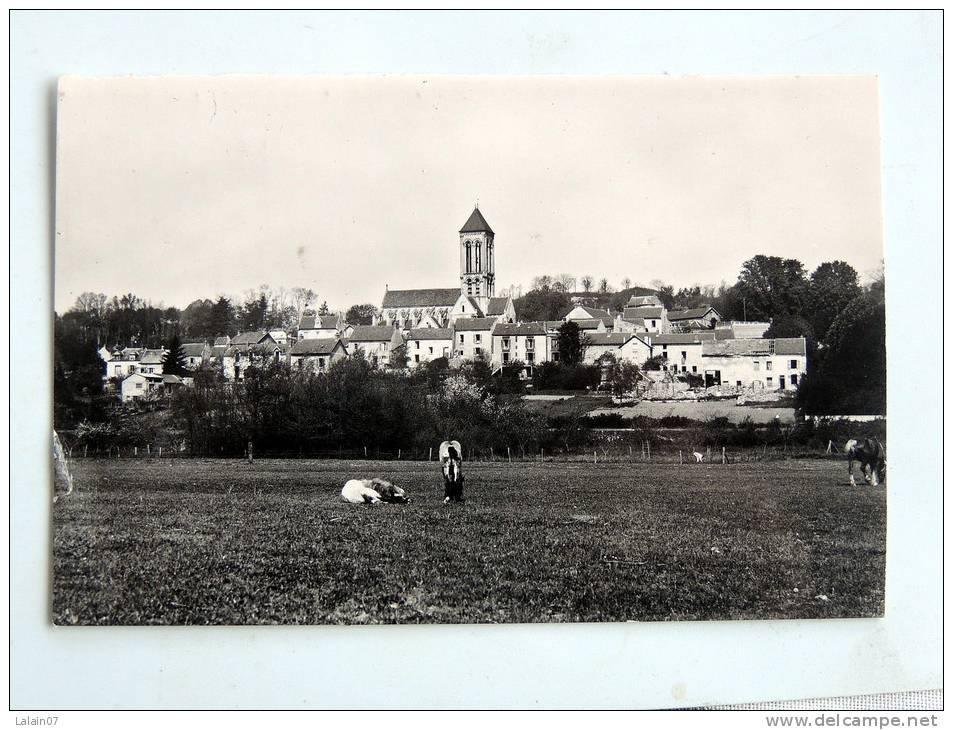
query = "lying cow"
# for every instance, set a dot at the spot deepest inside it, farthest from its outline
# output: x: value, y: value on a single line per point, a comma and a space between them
x: 872, y: 458
x: 451, y: 463
x: 372, y: 491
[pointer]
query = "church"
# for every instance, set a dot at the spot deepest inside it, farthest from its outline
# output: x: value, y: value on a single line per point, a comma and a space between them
x: 474, y: 297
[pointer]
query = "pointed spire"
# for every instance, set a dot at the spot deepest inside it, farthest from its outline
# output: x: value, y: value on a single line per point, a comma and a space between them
x: 476, y: 223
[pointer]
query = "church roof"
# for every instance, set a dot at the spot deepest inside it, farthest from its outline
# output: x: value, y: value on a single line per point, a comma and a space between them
x: 496, y: 306
x: 476, y: 223
x: 420, y: 297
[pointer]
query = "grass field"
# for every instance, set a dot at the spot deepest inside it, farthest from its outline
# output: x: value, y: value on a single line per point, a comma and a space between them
x: 219, y: 542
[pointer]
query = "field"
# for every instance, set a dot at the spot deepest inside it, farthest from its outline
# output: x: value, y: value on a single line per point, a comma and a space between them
x: 220, y: 542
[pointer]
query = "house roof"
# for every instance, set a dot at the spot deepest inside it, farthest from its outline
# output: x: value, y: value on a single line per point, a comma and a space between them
x: 249, y: 338
x: 644, y: 312
x: 526, y: 329
x: 476, y: 223
x: 420, y: 298
x: 222, y: 341
x: 316, y: 346
x: 588, y: 324
x: 474, y: 324
x: 194, y: 349
x: 696, y: 313
x: 371, y: 333
x: 261, y: 348
x: 609, y: 339
x: 496, y: 306
x: 430, y: 333
x: 790, y: 346
x: 593, y: 313
x: 172, y: 379
x: 644, y: 301
x: 311, y: 321
x: 686, y: 338
x: 218, y: 351
x: 147, y: 376
x: 152, y: 357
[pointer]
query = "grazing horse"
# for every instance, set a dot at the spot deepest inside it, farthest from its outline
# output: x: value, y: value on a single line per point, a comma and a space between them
x: 372, y: 491
x: 451, y: 460
x: 871, y: 456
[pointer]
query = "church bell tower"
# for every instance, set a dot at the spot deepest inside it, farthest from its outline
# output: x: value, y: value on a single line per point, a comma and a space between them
x: 477, y: 259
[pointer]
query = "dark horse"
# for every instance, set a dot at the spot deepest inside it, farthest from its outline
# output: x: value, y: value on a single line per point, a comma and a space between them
x: 452, y: 473
x: 871, y: 456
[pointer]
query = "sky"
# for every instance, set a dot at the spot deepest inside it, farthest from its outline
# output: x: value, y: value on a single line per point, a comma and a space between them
x: 179, y: 188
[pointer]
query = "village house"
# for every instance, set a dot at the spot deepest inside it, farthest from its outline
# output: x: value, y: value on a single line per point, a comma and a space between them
x: 250, y: 349
x: 526, y: 342
x: 699, y: 318
x: 122, y: 363
x: 320, y: 326
x: 139, y: 386
x: 769, y: 364
x: 472, y: 337
x: 281, y: 337
x: 682, y: 351
x: 652, y: 319
x: 151, y: 361
x: 373, y: 341
x: 580, y: 313
x: 429, y: 343
x: 196, y: 354
x: 317, y: 354
x: 743, y: 330
x: 624, y: 346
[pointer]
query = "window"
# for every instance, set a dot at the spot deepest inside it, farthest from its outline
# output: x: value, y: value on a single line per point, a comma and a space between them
x: 505, y: 343
x: 653, y: 322
x: 416, y: 358
x: 694, y: 368
x: 529, y: 358
x: 476, y: 337
x: 417, y: 344
x: 794, y: 380
x: 469, y: 259
x: 477, y: 350
x: 793, y: 365
x: 530, y: 343
x: 461, y: 339
x: 506, y: 357
x: 737, y: 382
x: 684, y: 369
x: 477, y: 257
x: 757, y: 365
x: 684, y: 354
x: 321, y: 363
x: 431, y: 350
x: 767, y: 365
x: 770, y: 381
x: 555, y: 357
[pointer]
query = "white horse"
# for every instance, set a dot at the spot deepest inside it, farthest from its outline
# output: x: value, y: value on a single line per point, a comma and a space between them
x: 451, y: 459
x: 372, y: 491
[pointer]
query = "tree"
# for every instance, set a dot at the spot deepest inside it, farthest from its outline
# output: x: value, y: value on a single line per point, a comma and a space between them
x: 398, y: 358
x: 771, y: 286
x: 586, y: 282
x: 254, y: 312
x: 572, y: 344
x: 361, y: 314
x: 542, y: 282
x: 833, y: 285
x: 541, y: 304
x: 564, y: 283
x: 324, y: 310
x: 604, y: 286
x: 620, y: 376
x: 626, y: 282
x: 173, y: 361
x: 222, y: 318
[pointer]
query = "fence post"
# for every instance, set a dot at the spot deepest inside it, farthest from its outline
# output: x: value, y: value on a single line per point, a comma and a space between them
x: 829, y: 445
x: 251, y: 454
x: 594, y: 459
x: 135, y: 451
x: 491, y: 454
x: 723, y: 461
x: 148, y: 449
x: 398, y: 454
x: 160, y: 452
x: 508, y: 458
x: 630, y: 452
x: 430, y: 454
x: 85, y: 446
x: 648, y: 445
x: 679, y: 456
x: 365, y: 452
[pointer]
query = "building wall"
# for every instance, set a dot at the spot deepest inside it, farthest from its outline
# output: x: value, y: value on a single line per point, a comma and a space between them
x: 375, y: 352
x: 635, y: 351
x: 755, y: 371
x: 467, y: 343
x: 421, y: 352
x: 521, y: 347
x: 317, y: 363
x: 682, y: 358
x: 314, y: 334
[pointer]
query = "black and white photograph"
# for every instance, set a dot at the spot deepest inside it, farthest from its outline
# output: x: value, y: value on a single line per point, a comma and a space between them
x: 446, y: 349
